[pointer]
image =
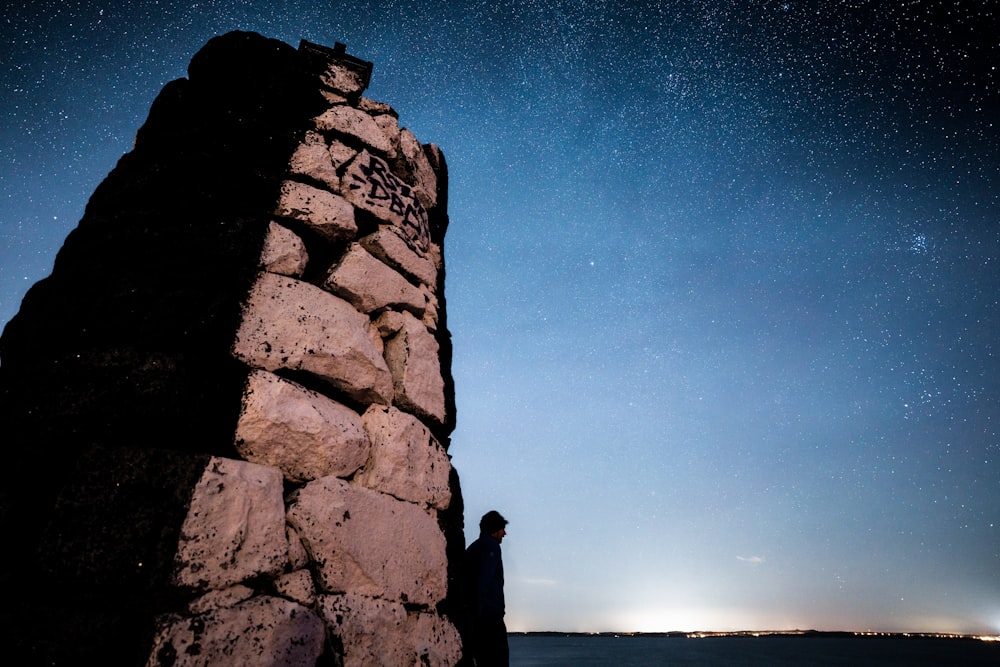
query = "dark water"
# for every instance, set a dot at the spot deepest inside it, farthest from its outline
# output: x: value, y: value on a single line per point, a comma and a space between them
x: 603, y: 651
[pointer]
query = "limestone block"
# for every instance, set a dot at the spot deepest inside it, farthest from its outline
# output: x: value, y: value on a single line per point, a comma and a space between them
x: 312, y: 159
x: 357, y: 124
x: 386, y: 244
x: 343, y: 80
x: 235, y: 527
x: 375, y: 108
x: 369, y: 184
x: 298, y: 557
x: 413, y: 356
x: 424, y: 178
x: 291, y: 324
x: 283, y: 252
x: 332, y: 98
x: 369, y: 543
x: 297, y: 586
x: 372, y: 632
x: 430, y: 319
x: 303, y: 433
x: 380, y: 633
x: 227, y: 597
x: 340, y: 154
x: 370, y: 285
x: 261, y: 631
x: 329, y: 215
x: 406, y: 460
x: 433, y: 639
x: 390, y: 128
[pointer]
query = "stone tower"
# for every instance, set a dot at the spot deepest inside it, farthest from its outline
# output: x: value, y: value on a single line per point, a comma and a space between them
x: 226, y: 413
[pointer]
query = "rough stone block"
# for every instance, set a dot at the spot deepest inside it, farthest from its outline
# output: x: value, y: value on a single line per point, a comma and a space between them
x: 376, y: 633
x: 424, y: 178
x: 284, y: 252
x: 430, y: 319
x: 297, y: 586
x: 369, y: 543
x: 386, y: 244
x: 312, y: 159
x: 329, y: 215
x: 376, y: 108
x: 235, y: 528
x: 406, y: 460
x: 357, y: 124
x: 260, y: 631
x: 389, y: 125
x: 343, y: 80
x: 370, y: 285
x: 303, y: 433
x: 413, y: 356
x: 340, y: 154
x: 291, y: 324
x: 227, y: 597
x: 370, y: 631
x: 369, y: 184
x: 298, y: 557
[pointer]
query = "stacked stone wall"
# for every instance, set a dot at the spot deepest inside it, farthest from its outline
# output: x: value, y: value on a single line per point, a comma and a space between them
x: 291, y: 500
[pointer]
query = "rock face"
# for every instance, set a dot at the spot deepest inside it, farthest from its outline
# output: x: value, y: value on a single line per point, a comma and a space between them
x: 226, y: 412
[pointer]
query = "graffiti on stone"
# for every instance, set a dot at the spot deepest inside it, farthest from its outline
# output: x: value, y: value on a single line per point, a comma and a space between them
x: 370, y: 185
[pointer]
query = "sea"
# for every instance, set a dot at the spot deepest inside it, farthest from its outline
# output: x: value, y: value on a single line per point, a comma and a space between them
x: 768, y: 651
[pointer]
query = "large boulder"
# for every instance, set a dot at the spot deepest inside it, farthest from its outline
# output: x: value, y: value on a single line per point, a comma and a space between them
x: 235, y: 528
x: 369, y: 543
x: 300, y: 431
x: 260, y: 631
x: 290, y: 324
x: 406, y: 460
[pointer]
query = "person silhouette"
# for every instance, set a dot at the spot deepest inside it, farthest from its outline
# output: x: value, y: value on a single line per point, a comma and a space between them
x: 484, y: 568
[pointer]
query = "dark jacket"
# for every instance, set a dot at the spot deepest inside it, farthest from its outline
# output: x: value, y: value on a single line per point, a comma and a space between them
x: 484, y: 570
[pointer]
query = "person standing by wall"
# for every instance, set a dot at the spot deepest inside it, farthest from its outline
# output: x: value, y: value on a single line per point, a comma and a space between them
x: 484, y: 569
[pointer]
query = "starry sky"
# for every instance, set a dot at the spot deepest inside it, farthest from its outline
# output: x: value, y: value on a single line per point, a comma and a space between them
x: 723, y: 280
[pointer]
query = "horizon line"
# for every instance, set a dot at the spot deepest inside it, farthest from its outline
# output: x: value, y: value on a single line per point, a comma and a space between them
x: 699, y: 634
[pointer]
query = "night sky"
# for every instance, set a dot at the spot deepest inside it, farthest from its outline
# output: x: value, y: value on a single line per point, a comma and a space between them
x: 723, y: 280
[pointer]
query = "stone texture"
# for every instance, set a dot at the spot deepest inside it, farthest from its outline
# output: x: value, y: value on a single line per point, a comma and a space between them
x: 340, y: 154
x: 227, y: 597
x: 260, y: 631
x: 406, y: 460
x: 370, y: 285
x: 389, y: 125
x: 299, y: 431
x: 358, y: 125
x: 369, y: 184
x: 368, y: 543
x: 424, y: 178
x: 293, y: 325
x: 298, y: 557
x: 386, y: 244
x: 430, y: 318
x: 297, y: 586
x: 235, y: 528
x: 327, y: 214
x: 376, y: 108
x: 362, y: 623
x: 412, y: 353
x: 342, y: 80
x: 312, y: 159
x: 284, y: 252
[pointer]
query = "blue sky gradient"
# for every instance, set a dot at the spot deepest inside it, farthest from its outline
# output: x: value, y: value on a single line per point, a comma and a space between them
x: 723, y: 281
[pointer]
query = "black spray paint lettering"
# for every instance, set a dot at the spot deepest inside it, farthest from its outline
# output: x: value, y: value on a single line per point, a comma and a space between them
x: 387, y: 187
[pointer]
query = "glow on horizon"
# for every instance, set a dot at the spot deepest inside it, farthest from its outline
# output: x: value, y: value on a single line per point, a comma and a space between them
x: 682, y: 619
